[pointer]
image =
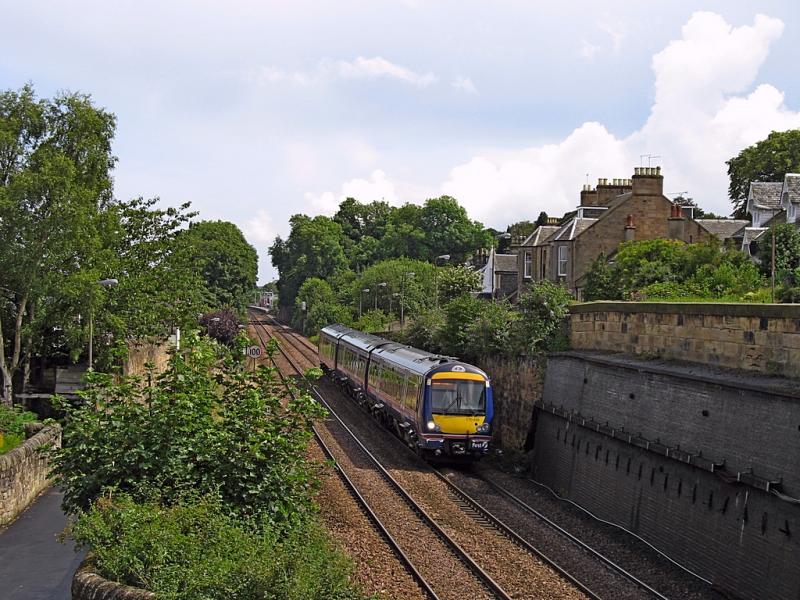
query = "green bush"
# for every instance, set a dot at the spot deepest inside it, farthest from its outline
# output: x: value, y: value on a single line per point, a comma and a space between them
x: 206, y: 425
x: 12, y: 426
x: 194, y: 550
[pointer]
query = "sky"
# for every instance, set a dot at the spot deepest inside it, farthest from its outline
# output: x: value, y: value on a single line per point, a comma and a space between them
x: 254, y: 110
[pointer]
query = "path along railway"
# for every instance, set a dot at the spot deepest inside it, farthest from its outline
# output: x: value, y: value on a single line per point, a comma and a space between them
x: 447, y: 538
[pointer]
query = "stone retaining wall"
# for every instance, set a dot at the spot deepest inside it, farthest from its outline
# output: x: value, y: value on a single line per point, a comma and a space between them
x: 752, y: 337
x: 517, y: 384
x: 88, y: 585
x: 24, y: 473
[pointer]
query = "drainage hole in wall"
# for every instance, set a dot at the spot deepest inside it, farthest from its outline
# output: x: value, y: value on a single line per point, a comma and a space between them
x: 585, y: 380
x: 704, y: 413
x: 631, y: 395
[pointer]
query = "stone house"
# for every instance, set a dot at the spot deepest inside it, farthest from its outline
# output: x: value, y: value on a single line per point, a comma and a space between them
x: 614, y: 211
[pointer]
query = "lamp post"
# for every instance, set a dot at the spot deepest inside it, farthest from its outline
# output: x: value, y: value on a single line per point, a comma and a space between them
x: 378, y: 287
x: 104, y: 283
x: 443, y: 258
x: 360, y: 299
x: 403, y: 298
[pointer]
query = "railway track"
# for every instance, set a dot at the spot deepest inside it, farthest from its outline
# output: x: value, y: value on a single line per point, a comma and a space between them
x: 472, y: 570
x: 473, y: 506
x: 509, y: 576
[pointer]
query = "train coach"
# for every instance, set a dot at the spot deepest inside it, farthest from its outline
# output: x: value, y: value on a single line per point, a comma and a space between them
x: 439, y: 406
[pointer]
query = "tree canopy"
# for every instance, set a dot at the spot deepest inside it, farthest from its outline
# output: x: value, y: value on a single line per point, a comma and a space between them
x: 228, y: 263
x: 768, y: 160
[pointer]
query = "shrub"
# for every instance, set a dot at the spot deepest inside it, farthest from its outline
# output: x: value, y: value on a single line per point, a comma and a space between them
x: 423, y: 331
x: 542, y: 311
x: 205, y: 425
x: 221, y: 325
x: 194, y: 549
x: 12, y: 426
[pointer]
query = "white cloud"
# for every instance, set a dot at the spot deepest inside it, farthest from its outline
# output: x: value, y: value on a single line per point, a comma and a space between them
x: 464, y: 85
x: 330, y: 70
x: 696, y: 123
x: 588, y: 50
x: 376, y: 187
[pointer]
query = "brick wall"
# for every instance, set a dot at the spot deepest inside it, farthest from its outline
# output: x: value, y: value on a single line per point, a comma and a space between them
x: 24, y: 473
x: 517, y: 384
x: 744, y: 541
x: 677, y: 453
x: 753, y: 337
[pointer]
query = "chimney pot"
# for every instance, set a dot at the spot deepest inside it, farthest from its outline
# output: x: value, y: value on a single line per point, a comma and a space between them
x: 658, y: 170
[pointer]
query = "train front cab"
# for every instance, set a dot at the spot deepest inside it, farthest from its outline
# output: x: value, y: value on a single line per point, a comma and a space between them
x: 457, y: 412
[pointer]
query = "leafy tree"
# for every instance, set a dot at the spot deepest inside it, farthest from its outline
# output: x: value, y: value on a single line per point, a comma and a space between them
x: 415, y: 291
x: 423, y: 331
x: 601, y: 282
x: 768, y: 160
x: 322, y: 307
x: 227, y: 262
x: 207, y: 425
x: 522, y: 229
x: 453, y: 282
x: 787, y: 259
x: 55, y: 162
x: 541, y: 219
x: 454, y: 337
x: 490, y: 333
x: 542, y: 311
x: 313, y: 249
x: 449, y: 230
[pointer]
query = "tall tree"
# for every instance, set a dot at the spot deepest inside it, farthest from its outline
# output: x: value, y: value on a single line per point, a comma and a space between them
x: 313, y: 249
x: 228, y: 263
x: 55, y: 163
x: 768, y: 160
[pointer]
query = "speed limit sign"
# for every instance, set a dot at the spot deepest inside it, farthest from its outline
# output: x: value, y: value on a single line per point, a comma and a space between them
x: 254, y: 351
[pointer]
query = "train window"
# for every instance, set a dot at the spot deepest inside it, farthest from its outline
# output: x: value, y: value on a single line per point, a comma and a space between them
x: 458, y: 396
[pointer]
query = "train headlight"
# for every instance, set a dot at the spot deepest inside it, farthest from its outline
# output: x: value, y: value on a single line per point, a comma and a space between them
x: 483, y: 428
x: 433, y: 426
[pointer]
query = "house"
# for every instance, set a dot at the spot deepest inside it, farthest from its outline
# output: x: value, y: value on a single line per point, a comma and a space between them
x: 499, y: 275
x: 532, y: 253
x: 613, y: 212
x: 769, y: 203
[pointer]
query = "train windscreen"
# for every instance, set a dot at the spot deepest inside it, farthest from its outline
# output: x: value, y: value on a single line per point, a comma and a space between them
x: 458, y: 397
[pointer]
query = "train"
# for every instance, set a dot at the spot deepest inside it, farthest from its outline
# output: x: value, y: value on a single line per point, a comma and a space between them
x: 440, y: 407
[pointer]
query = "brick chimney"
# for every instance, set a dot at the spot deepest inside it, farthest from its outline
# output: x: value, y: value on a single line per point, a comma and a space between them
x: 630, y: 229
x: 648, y: 181
x: 676, y: 222
x: 588, y: 196
x: 605, y: 191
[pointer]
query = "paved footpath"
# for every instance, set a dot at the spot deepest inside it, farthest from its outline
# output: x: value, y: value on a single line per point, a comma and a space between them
x: 34, y: 565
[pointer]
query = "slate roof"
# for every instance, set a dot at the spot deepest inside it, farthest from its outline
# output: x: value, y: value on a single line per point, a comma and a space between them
x: 571, y: 229
x: 765, y: 194
x: 506, y: 263
x: 540, y: 235
x: 791, y: 186
x: 723, y: 228
x: 751, y: 234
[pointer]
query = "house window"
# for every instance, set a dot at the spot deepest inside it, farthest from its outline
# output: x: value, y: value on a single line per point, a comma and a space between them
x: 527, y: 270
x: 562, y: 260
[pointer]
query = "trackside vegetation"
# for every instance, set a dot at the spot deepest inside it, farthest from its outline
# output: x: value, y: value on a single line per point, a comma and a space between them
x: 12, y: 426
x: 195, y: 483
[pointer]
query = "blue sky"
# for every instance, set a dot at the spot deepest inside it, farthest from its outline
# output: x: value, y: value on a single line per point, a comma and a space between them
x: 256, y: 110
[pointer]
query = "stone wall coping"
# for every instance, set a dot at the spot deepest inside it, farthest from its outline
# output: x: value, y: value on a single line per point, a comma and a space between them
x: 780, y: 311
x: 739, y: 380
x: 88, y: 585
x: 29, y: 446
